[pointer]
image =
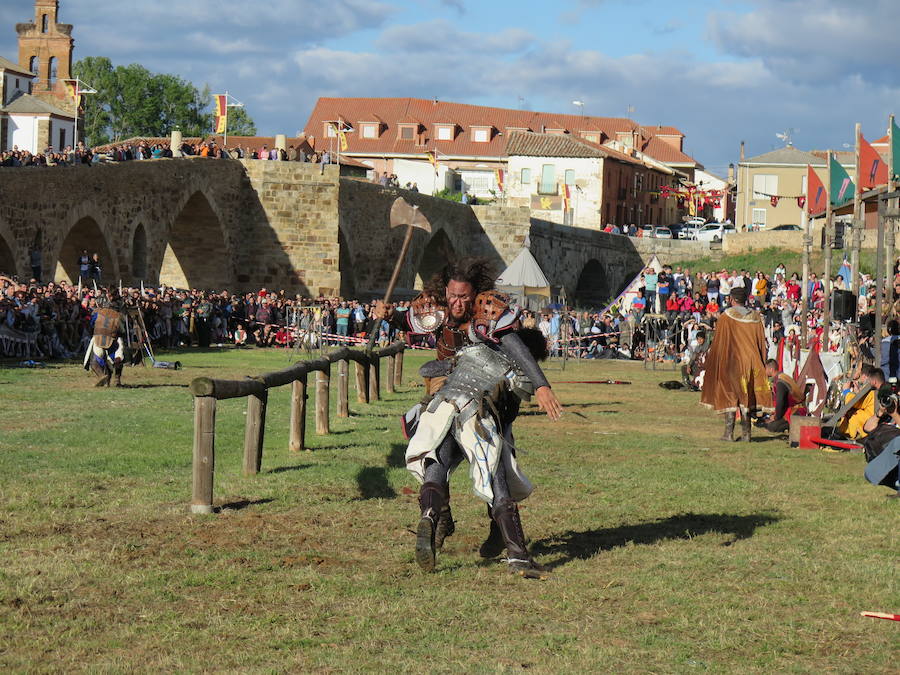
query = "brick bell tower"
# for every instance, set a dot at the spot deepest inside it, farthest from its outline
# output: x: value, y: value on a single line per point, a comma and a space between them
x: 45, y: 48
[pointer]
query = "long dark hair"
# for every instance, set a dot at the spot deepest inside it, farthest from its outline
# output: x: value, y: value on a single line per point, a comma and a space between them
x: 475, y: 271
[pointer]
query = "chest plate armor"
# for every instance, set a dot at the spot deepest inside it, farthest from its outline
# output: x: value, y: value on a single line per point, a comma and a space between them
x: 481, y: 373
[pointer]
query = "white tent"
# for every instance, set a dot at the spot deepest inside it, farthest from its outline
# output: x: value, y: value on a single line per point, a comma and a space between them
x: 524, y: 278
x: 623, y: 301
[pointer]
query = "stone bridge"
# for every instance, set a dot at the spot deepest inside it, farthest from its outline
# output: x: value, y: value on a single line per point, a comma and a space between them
x: 243, y: 225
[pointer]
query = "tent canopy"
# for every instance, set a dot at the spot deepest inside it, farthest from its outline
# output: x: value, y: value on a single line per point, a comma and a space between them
x: 524, y: 277
x: 623, y: 301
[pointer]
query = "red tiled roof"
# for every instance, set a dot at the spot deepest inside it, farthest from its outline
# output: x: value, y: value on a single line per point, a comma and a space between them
x: 884, y: 140
x: 658, y: 149
x: 430, y: 113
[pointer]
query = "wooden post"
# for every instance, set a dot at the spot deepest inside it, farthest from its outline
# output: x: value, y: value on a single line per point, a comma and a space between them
x: 254, y: 431
x: 829, y: 236
x: 323, y: 385
x: 362, y: 383
x: 398, y: 369
x: 389, y: 381
x: 374, y: 378
x: 204, y: 454
x: 298, y: 415
x: 343, y: 388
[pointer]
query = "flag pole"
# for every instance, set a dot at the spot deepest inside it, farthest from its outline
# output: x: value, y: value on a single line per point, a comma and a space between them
x: 890, y: 231
x: 225, y: 141
x: 859, y: 224
x: 826, y: 277
x: 804, y: 291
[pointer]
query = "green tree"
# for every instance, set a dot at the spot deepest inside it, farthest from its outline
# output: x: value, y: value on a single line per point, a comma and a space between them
x: 240, y: 123
x: 131, y: 101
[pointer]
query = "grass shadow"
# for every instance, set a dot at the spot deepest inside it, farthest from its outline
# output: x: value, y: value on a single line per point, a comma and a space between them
x: 396, y: 458
x: 151, y: 386
x: 283, y: 469
x: 373, y: 483
x: 583, y: 545
x: 242, y: 504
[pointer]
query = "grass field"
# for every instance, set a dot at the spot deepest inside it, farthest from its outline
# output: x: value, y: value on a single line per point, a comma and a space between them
x: 671, y: 550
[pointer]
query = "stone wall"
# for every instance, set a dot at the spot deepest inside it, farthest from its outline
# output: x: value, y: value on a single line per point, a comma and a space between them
x: 242, y: 225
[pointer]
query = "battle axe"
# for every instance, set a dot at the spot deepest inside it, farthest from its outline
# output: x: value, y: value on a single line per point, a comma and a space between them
x: 402, y: 213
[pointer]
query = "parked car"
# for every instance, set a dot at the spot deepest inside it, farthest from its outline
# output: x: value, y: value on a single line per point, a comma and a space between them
x: 677, y: 230
x: 662, y: 233
x: 689, y: 232
x: 786, y: 228
x: 714, y: 231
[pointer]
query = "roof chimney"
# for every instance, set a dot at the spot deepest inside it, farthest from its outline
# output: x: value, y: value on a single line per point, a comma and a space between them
x: 742, y: 151
x: 731, y: 174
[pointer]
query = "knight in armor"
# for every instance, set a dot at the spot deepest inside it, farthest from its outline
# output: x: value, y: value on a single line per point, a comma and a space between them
x: 735, y: 378
x: 482, y: 371
x: 105, y: 354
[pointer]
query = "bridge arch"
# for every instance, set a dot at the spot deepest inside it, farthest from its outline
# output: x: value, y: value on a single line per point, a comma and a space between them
x: 139, y: 254
x: 197, y: 254
x: 7, y: 258
x: 592, y: 288
x: 438, y: 252
x: 85, y: 234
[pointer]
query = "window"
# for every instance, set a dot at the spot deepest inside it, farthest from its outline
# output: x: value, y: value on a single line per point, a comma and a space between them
x: 329, y: 130
x: 570, y: 177
x: 407, y: 133
x: 764, y: 185
x: 369, y: 131
x: 525, y: 177
x: 759, y: 218
x: 62, y: 140
x: 445, y: 133
x: 548, y: 180
x: 17, y: 83
x: 803, y: 184
x: 591, y: 137
x: 53, y: 63
x: 34, y: 64
x: 45, y: 23
x: 481, y: 135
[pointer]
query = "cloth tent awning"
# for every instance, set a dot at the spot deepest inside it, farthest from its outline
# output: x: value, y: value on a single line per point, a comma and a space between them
x: 523, y: 278
x: 524, y: 271
x: 623, y: 301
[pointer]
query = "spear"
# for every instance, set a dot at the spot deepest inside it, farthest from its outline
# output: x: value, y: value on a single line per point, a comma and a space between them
x: 593, y: 382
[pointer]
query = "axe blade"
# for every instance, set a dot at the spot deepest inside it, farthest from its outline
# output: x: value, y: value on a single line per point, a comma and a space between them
x: 404, y: 213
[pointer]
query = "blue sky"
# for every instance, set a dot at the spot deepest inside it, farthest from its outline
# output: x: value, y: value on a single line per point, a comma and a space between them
x: 721, y: 70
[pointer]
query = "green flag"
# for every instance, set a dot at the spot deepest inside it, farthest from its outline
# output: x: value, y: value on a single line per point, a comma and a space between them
x: 841, y: 188
x: 895, y: 151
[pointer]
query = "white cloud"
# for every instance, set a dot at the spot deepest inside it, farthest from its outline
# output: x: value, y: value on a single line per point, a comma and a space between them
x: 442, y: 36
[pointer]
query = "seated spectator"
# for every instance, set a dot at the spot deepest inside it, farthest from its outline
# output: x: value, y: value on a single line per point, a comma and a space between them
x: 853, y: 423
x: 788, y: 396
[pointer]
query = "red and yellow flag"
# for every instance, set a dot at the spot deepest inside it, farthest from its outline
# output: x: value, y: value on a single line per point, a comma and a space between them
x: 567, y: 197
x: 341, y: 134
x: 816, y: 195
x: 432, y: 158
x: 221, y: 114
x: 498, y: 175
x: 872, y: 170
x: 72, y: 90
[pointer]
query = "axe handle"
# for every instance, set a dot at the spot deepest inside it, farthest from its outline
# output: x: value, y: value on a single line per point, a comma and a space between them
x: 404, y: 249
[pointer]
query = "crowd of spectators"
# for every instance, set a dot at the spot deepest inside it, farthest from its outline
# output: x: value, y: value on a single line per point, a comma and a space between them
x: 57, y: 318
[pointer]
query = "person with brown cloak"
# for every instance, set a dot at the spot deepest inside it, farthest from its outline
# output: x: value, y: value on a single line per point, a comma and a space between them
x: 735, y: 379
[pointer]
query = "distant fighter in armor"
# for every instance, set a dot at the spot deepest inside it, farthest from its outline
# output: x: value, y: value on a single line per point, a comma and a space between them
x: 105, y: 355
x: 483, y: 370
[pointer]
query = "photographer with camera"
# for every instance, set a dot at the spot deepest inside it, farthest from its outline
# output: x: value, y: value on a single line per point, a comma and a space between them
x: 881, y: 447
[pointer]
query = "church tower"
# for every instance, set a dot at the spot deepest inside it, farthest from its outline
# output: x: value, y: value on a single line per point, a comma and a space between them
x: 45, y: 48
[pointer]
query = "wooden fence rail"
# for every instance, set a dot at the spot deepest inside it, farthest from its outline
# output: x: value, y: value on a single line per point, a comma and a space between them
x: 208, y: 391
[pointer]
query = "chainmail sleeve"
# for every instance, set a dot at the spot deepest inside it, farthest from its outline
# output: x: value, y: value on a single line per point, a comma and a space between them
x: 513, y: 347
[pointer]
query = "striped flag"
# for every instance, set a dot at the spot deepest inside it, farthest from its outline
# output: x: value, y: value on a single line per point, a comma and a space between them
x: 841, y: 188
x: 498, y: 174
x: 567, y: 197
x: 872, y: 170
x: 815, y: 192
x: 221, y: 113
x: 432, y: 159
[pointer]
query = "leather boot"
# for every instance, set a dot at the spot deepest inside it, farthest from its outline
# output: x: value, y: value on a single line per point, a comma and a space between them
x: 102, y: 375
x: 494, y: 544
x: 118, y: 371
x: 432, y: 498
x: 445, y: 527
x: 729, y: 427
x: 746, y: 424
x: 506, y: 515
